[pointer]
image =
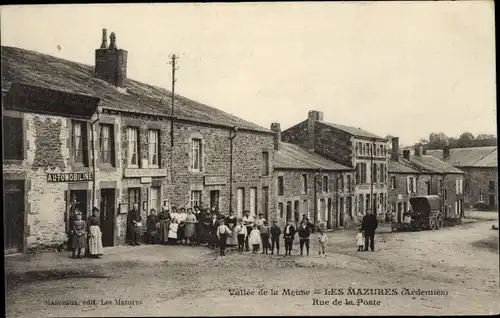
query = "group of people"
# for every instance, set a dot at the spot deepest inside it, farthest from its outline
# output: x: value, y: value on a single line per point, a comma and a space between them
x: 85, y: 236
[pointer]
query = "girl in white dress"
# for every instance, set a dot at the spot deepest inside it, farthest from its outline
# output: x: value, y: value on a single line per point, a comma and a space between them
x: 254, y: 238
x: 172, y: 231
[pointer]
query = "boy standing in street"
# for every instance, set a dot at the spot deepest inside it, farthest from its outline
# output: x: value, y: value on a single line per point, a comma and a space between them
x: 275, y: 238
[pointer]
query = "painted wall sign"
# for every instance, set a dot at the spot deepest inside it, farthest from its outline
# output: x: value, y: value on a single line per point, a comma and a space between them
x: 147, y: 172
x: 70, y: 177
x: 215, y: 180
x: 146, y: 180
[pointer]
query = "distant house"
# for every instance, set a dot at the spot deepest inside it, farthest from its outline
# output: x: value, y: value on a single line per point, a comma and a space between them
x: 351, y: 147
x: 481, y: 167
x: 309, y: 182
x: 421, y: 174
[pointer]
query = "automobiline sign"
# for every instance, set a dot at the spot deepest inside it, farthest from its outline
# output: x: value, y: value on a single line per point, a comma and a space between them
x: 69, y: 177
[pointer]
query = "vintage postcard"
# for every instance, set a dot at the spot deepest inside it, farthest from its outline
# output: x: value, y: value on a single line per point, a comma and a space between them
x: 245, y: 159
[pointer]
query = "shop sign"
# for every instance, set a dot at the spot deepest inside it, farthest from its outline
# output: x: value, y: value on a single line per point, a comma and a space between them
x: 215, y: 180
x: 144, y: 172
x: 70, y: 177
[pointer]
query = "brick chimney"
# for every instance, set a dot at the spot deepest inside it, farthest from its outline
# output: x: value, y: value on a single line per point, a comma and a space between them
x: 395, y: 149
x: 406, y: 154
x: 418, y: 150
x: 111, y: 62
x: 446, y: 152
x: 277, y: 135
x: 313, y: 116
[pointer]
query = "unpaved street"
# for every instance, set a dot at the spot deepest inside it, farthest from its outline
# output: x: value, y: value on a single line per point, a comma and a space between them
x: 461, y: 263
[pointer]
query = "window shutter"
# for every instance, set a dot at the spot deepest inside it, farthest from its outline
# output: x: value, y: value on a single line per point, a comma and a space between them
x: 461, y: 186
x: 414, y: 185
x: 408, y: 184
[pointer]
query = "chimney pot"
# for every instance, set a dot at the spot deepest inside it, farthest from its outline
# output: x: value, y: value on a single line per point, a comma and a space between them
x: 406, y: 154
x: 446, y: 152
x: 104, y: 44
x: 312, y: 117
x: 418, y: 150
x: 276, y: 127
x: 395, y: 149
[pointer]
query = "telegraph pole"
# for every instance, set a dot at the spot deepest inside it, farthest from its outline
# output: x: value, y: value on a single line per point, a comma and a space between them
x: 173, y: 62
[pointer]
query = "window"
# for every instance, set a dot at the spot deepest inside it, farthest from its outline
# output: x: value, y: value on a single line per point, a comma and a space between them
x: 375, y: 172
x: 134, y: 197
x: 368, y: 203
x: 365, y: 149
x: 440, y: 186
x: 195, y: 198
x: 445, y: 194
x: 348, y: 182
x: 133, y: 146
x: 349, y: 206
x: 492, y: 185
x: 364, y: 167
x: 106, y: 144
x: 265, y: 163
x: 196, y: 154
x: 154, y: 198
x: 393, y: 207
x: 154, y: 148
x: 280, y: 186
x: 79, y: 142
x: 381, y: 152
x: 280, y: 209
x: 253, y: 201
x: 341, y: 183
x: 358, y: 173
x: 360, y: 204
x: 481, y: 197
x: 325, y: 183
x: 382, y: 173
x: 393, y: 182
x: 411, y: 184
x: 240, y: 201
x: 265, y: 201
x: 214, y: 199
x: 304, y: 184
x: 13, y: 138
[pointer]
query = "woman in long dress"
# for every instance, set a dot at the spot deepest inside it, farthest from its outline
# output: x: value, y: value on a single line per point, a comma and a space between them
x: 231, y: 223
x: 190, y: 229
x: 95, y: 235
x: 79, y: 238
x: 164, y: 219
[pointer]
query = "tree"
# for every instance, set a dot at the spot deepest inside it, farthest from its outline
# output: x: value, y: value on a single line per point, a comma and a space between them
x: 485, y: 136
x: 465, y: 140
x: 437, y: 140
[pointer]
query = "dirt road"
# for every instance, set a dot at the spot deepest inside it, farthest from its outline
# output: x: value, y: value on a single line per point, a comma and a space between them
x: 459, y: 264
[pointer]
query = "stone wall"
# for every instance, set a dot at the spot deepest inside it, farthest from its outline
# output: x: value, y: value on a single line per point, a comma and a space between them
x: 477, y: 182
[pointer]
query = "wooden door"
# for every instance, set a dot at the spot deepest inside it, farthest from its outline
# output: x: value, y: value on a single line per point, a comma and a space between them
x: 13, y: 207
x: 341, y: 213
x: 107, y: 216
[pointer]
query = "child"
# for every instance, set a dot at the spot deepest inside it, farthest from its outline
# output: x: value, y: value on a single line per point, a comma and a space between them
x: 322, y: 239
x: 288, y: 235
x: 222, y: 233
x: 172, y: 231
x: 264, y: 234
x: 359, y: 238
x: 254, y: 238
x: 241, y: 232
x: 275, y: 238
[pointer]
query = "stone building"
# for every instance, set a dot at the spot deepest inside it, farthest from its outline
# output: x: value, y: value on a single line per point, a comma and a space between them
x: 214, y: 159
x: 421, y: 174
x: 352, y: 147
x: 310, y: 184
x: 480, y: 165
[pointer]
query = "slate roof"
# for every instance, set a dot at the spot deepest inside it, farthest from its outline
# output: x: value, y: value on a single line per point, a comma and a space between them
x: 401, y: 166
x: 432, y: 164
x: 469, y: 157
x: 358, y: 132
x: 290, y: 156
x: 37, y: 69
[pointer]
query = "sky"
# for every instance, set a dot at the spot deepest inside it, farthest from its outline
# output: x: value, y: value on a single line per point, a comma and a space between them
x: 402, y: 68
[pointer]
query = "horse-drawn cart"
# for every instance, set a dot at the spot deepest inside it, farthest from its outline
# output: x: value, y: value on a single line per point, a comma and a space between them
x: 425, y: 214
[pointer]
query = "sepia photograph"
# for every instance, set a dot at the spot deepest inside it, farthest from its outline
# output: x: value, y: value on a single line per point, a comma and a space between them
x: 250, y: 159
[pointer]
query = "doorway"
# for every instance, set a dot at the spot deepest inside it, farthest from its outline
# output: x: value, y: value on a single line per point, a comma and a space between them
x: 107, y: 217
x: 13, y: 208
x: 400, y: 212
x: 491, y: 201
x: 340, y: 222
x: 77, y: 200
x: 214, y: 199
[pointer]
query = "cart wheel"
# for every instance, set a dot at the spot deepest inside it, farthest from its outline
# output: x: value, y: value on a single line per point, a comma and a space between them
x: 439, y: 221
x: 432, y: 224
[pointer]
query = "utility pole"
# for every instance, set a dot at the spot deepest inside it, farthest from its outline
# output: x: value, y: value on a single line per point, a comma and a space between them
x: 173, y: 62
x: 371, y: 178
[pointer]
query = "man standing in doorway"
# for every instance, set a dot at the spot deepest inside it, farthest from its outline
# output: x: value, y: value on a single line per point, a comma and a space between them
x: 369, y: 225
x: 134, y: 225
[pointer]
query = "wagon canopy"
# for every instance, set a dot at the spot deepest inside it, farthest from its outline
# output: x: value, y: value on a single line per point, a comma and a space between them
x: 425, y: 203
